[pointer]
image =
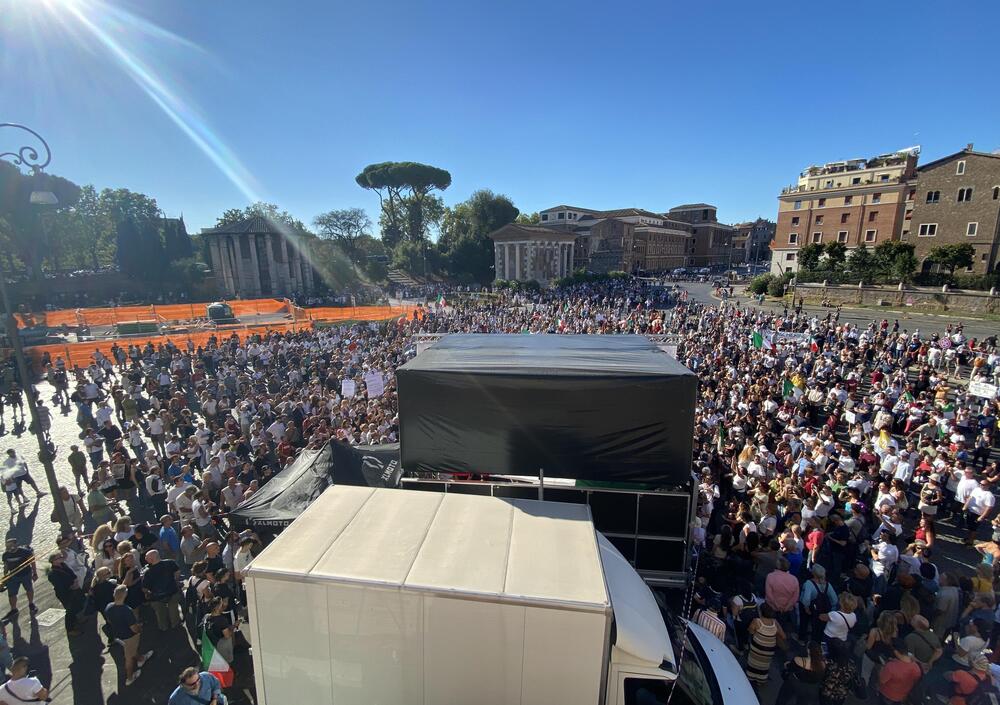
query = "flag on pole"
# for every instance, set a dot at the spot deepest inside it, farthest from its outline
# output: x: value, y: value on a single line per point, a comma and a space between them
x: 441, y: 302
x: 212, y: 661
x: 787, y: 389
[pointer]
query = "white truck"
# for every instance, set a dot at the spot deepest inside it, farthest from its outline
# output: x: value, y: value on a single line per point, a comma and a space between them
x: 386, y: 596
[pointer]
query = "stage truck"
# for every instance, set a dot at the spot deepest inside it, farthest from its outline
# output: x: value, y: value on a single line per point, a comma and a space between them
x: 398, y: 597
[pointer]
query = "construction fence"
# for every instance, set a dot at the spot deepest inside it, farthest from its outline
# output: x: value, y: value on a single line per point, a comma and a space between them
x: 82, y: 354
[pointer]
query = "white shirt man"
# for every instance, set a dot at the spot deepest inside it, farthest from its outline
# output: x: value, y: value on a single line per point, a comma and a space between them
x: 904, y: 469
x: 966, y: 486
x: 884, y: 556
x: 980, y: 501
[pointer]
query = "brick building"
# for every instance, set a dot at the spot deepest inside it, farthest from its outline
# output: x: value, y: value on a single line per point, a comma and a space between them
x: 713, y: 241
x: 852, y: 202
x: 956, y: 200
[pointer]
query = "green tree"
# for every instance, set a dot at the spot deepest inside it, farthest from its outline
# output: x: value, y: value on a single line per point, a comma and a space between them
x: 25, y: 236
x: 529, y: 218
x: 809, y: 256
x: 835, y: 254
x: 953, y: 256
x: 403, y: 189
x: 861, y: 262
x: 177, y: 244
x: 465, y: 242
x: 894, y: 260
x: 345, y: 226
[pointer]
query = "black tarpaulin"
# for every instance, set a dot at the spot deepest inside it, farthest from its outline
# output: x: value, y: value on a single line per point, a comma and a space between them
x: 592, y: 407
x: 293, y: 489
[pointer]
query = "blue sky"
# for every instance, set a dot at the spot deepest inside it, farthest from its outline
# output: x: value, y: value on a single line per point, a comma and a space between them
x: 603, y: 105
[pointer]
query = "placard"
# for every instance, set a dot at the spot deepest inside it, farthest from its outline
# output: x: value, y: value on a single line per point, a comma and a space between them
x: 374, y: 384
x: 983, y: 389
x: 348, y: 388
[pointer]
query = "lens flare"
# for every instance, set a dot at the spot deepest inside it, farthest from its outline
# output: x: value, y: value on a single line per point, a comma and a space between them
x: 86, y: 20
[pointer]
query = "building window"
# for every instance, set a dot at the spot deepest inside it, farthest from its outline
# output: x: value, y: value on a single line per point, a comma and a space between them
x: 996, y: 193
x: 817, y: 237
x: 822, y: 203
x: 842, y: 236
x: 927, y: 230
x: 933, y: 196
x: 855, y: 181
x: 545, y: 216
x: 819, y: 220
x: 795, y: 220
x: 870, y: 235
x: 912, y: 194
x: 876, y: 198
x: 964, y: 195
x: 844, y: 217
x: 797, y: 205
x: 883, y: 177
x: 561, y: 216
x: 872, y: 215
x: 793, y: 238
x: 960, y: 168
x: 848, y: 200
x: 790, y: 257
x: 972, y: 229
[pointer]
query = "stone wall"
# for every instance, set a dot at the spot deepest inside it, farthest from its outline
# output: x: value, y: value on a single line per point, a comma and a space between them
x: 930, y: 299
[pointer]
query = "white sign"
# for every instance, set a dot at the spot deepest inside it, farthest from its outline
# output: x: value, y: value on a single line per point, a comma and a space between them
x: 347, y: 388
x: 374, y: 384
x: 850, y: 417
x: 982, y: 389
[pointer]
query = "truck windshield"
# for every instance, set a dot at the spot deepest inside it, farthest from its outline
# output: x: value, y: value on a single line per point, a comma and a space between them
x: 695, y: 685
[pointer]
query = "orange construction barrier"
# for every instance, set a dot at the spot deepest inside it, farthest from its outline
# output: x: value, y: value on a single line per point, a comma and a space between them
x: 82, y: 354
x: 110, y: 315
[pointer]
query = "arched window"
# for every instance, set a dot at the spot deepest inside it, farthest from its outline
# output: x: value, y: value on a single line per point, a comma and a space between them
x: 996, y: 193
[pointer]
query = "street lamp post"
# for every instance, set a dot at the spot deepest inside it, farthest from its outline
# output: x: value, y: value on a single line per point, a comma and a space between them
x: 29, y: 156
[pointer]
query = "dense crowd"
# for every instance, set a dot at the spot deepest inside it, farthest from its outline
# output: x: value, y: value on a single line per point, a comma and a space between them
x: 829, y: 454
x: 831, y: 457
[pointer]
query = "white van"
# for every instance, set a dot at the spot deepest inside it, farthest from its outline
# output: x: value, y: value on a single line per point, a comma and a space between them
x: 404, y: 597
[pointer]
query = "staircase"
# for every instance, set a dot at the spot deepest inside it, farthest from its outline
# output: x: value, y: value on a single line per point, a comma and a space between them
x: 401, y: 278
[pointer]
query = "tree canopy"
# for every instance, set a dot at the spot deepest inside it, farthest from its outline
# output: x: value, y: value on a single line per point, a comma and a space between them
x: 344, y: 226
x: 404, y: 189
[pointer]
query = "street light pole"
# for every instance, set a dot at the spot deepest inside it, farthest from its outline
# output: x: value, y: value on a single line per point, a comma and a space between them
x: 29, y: 156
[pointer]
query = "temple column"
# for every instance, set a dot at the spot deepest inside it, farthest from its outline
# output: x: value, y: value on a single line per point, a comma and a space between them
x: 517, y: 260
x: 254, y: 266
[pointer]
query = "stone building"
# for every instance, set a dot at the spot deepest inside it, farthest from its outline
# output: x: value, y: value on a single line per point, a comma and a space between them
x: 853, y: 202
x: 532, y: 253
x: 751, y: 241
x: 712, y: 240
x: 253, y: 259
x: 956, y: 200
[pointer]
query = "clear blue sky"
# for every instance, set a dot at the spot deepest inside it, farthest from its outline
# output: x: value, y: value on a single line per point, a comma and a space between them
x: 603, y: 105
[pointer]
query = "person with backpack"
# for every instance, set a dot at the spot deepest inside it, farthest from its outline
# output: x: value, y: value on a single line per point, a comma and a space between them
x: 197, y: 592
x: 816, y: 598
x: 974, y: 686
x: 743, y: 609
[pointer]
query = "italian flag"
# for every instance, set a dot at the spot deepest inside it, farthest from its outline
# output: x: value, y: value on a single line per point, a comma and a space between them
x: 212, y: 661
x: 762, y: 340
x: 441, y: 302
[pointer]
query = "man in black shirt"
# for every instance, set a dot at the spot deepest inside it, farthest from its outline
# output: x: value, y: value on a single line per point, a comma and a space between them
x: 110, y: 434
x: 19, y: 573
x: 126, y: 628
x: 160, y: 583
x: 68, y: 591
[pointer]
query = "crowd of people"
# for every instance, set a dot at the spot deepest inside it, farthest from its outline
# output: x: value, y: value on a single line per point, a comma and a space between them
x: 830, y: 456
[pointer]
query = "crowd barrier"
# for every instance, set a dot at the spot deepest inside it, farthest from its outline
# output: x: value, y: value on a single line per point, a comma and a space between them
x: 111, y: 315
x: 81, y: 354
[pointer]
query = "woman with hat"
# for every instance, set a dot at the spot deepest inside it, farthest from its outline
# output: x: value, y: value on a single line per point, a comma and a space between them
x: 930, y: 495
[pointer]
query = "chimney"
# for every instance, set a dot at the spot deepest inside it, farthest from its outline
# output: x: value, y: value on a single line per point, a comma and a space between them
x: 968, y: 147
